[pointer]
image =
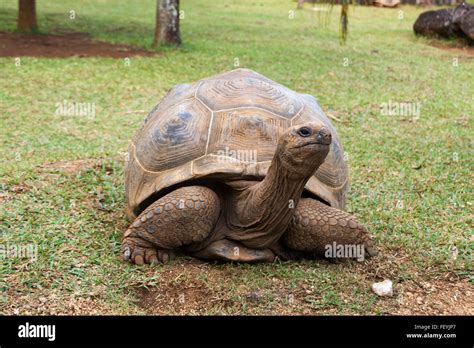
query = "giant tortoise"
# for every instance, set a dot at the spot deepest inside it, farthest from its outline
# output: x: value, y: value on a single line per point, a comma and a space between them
x: 236, y: 167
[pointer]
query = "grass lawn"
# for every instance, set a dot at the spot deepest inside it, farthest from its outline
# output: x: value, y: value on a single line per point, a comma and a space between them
x: 61, y: 186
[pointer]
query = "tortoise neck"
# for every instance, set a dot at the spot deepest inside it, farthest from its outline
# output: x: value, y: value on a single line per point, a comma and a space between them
x: 261, y: 213
x: 279, y: 192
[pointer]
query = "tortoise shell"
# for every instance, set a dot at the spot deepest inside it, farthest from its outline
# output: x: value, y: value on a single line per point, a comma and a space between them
x: 224, y: 127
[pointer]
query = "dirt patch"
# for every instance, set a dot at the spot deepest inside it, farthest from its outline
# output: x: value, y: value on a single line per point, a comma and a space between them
x: 182, y: 298
x: 193, y: 297
x: 70, y: 167
x: 461, y: 50
x: 436, y: 297
x: 183, y: 290
x: 7, y: 193
x: 62, y: 46
x: 53, y: 302
x: 193, y: 287
x: 76, y: 166
x: 198, y: 288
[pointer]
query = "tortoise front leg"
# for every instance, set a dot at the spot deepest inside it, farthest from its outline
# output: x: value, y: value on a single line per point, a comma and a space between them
x: 181, y: 218
x: 315, y: 227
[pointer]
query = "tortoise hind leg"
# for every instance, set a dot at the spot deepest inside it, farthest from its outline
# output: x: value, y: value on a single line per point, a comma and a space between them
x: 316, y: 227
x: 182, y: 217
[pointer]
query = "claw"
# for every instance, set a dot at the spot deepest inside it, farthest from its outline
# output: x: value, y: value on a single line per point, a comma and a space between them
x: 164, y: 256
x: 126, y: 253
x: 153, y: 260
x: 139, y: 260
x: 371, y: 251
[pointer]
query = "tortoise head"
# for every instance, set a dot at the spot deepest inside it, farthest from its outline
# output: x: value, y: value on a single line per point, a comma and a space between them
x: 303, y: 148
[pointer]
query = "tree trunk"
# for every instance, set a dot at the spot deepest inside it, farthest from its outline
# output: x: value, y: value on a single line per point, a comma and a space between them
x: 27, y: 15
x: 167, y: 22
x: 300, y: 4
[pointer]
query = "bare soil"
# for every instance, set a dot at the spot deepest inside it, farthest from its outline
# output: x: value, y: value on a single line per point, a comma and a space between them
x: 62, y: 46
x: 181, y: 291
x: 460, y: 49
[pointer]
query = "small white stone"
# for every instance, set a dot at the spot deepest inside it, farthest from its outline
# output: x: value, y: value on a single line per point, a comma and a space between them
x: 383, y: 288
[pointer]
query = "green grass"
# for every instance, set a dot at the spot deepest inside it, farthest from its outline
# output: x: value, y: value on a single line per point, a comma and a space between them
x: 77, y: 219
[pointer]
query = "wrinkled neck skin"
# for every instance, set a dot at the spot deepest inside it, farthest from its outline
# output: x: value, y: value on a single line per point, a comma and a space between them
x: 258, y: 215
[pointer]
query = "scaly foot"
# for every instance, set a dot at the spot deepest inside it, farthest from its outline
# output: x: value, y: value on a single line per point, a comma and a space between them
x: 142, y: 252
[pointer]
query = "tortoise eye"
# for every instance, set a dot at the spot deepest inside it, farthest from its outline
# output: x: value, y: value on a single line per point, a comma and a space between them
x: 304, y: 131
